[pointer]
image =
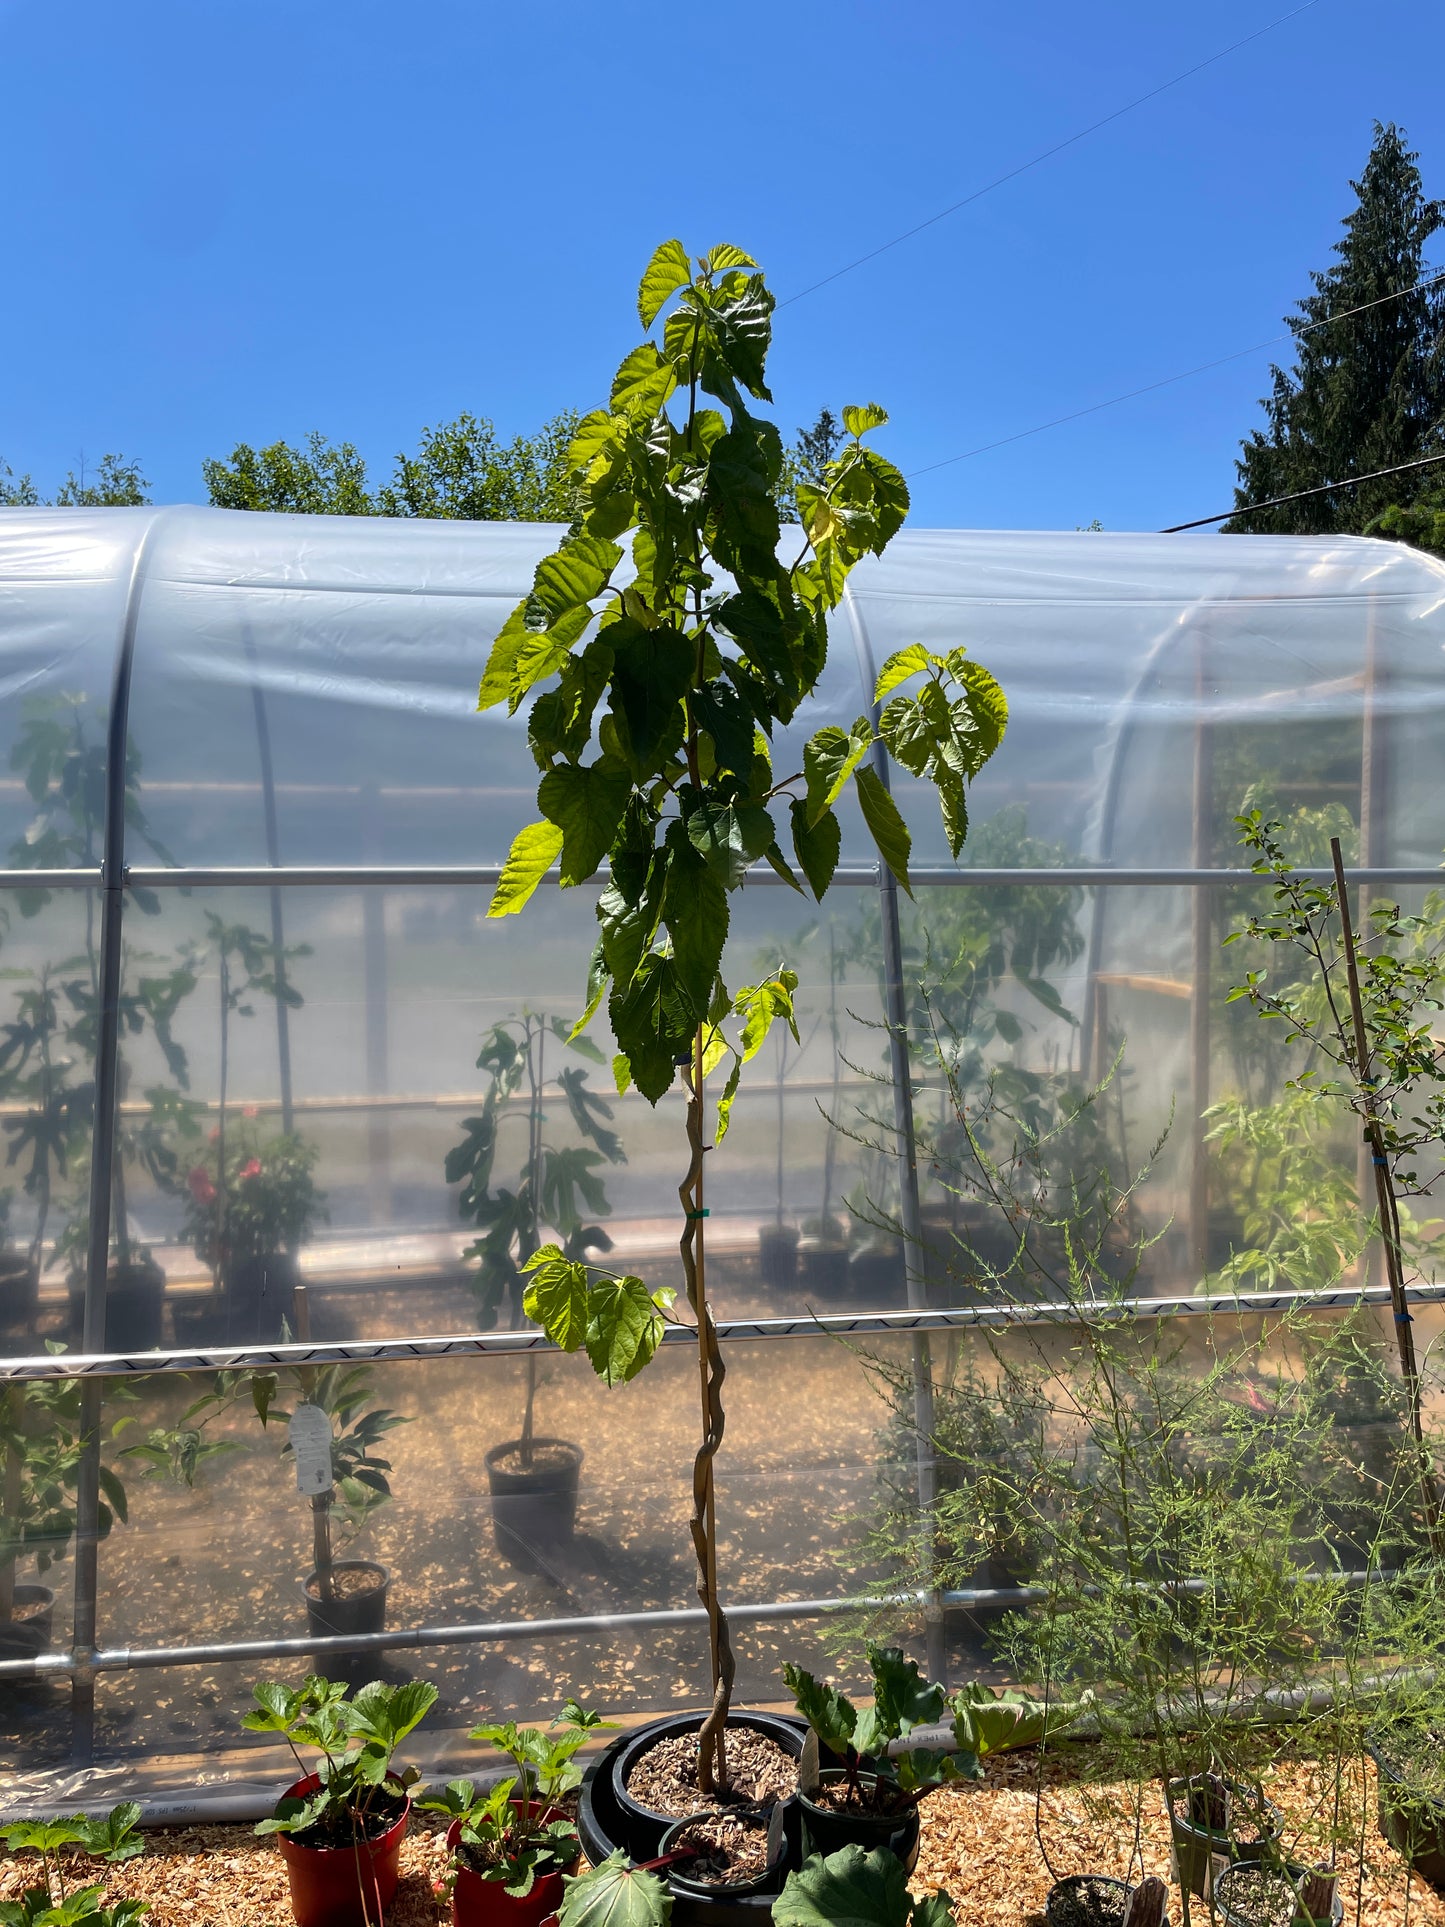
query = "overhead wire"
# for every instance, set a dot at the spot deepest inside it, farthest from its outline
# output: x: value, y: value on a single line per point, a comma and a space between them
x: 1186, y: 374
x: 1302, y: 494
x: 1059, y: 147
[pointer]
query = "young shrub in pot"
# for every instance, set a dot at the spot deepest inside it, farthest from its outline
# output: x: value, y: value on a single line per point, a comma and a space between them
x: 341, y: 1823
x: 655, y: 684
x: 533, y: 1480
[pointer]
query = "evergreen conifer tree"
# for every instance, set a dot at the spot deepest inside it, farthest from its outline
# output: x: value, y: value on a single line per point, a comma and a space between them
x: 1368, y: 390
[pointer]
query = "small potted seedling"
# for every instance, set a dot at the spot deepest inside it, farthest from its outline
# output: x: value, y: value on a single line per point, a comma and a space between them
x: 340, y: 1824
x: 1097, y: 1900
x: 874, y: 1804
x: 851, y: 1886
x: 56, y: 1900
x: 511, y: 1846
x: 533, y: 1479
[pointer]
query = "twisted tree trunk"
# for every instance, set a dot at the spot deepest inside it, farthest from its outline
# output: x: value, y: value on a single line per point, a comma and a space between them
x: 711, y: 1744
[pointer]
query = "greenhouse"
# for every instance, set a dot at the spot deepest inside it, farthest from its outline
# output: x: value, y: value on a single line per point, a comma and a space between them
x: 247, y: 788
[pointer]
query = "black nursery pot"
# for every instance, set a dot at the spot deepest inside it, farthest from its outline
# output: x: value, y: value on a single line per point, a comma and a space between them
x: 828, y: 1829
x: 1087, y: 1900
x: 1195, y: 1845
x: 608, y: 1817
x: 1411, y: 1821
x: 1233, y: 1916
x: 259, y: 1292
x: 19, y: 1293
x: 27, y: 1638
x: 135, y: 1297
x: 533, y: 1512
x: 778, y: 1254
x: 352, y: 1613
x: 769, y: 1882
x: 823, y: 1266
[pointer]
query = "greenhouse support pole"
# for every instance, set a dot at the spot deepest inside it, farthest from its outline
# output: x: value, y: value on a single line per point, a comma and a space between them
x: 910, y: 1213
x: 1202, y: 931
x: 1372, y: 771
x: 273, y: 857
x: 102, y: 1161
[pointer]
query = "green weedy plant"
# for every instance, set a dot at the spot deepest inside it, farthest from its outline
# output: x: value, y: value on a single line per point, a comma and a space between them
x: 902, y: 1700
x: 660, y: 678
x: 56, y: 1901
x: 356, y: 1739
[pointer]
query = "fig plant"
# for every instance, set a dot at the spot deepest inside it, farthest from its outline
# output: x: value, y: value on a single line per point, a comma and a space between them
x: 662, y: 645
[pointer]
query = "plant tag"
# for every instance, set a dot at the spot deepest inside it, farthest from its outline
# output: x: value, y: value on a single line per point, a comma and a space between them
x: 808, y: 1763
x: 310, y: 1435
x: 775, y: 1833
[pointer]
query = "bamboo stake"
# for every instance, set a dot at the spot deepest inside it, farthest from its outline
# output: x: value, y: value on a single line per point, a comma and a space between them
x: 321, y: 1502
x: 1388, y: 1206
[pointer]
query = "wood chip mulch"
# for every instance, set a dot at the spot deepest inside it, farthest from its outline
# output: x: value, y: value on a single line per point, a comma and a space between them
x: 978, y: 1844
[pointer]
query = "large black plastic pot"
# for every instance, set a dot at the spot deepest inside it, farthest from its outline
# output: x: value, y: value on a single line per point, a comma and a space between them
x: 19, y: 1293
x: 823, y: 1266
x: 29, y: 1636
x: 778, y: 1255
x: 1195, y: 1845
x: 608, y: 1817
x: 259, y: 1293
x: 826, y: 1829
x: 135, y: 1297
x: 362, y: 1611
x: 768, y: 1884
x: 533, y: 1512
x: 1411, y: 1821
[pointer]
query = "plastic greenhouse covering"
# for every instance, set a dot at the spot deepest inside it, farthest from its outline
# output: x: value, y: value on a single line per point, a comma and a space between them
x: 314, y: 813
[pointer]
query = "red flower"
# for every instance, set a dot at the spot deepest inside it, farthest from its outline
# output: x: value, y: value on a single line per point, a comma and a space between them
x: 252, y: 1169
x: 202, y: 1190
x: 249, y: 1110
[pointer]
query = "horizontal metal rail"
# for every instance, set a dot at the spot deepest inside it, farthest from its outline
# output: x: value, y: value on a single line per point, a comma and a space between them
x: 485, y: 875
x: 862, y: 1324
x: 128, y: 1659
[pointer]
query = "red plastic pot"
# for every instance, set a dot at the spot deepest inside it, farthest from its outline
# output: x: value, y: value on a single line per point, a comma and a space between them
x: 486, y: 1903
x: 327, y: 1883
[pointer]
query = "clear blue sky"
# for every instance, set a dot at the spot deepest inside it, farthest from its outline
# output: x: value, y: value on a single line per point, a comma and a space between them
x: 235, y: 220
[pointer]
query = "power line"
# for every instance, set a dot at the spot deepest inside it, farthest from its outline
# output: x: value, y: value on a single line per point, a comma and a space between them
x: 1325, y: 488
x: 1048, y: 153
x: 1168, y: 381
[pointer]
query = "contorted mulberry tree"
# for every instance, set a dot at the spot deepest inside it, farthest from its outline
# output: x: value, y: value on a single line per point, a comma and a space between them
x: 661, y: 646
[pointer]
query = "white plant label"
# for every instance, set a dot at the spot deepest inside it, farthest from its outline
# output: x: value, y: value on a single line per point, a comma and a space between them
x: 310, y: 1434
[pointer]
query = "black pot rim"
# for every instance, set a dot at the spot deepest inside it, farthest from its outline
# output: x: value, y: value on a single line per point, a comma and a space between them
x: 833, y: 1774
x: 708, y: 1889
x: 650, y: 1733
x: 1181, y: 1824
x: 511, y: 1445
x: 346, y: 1565
x: 1256, y: 1865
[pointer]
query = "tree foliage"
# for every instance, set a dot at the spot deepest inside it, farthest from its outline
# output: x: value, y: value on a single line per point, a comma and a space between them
x: 114, y: 483
x: 1368, y: 389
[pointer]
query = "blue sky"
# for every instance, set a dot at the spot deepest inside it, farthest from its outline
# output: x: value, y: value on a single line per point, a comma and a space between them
x: 243, y: 219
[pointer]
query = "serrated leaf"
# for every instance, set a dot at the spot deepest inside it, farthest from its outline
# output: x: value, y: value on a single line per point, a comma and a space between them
x: 859, y: 419
x: 724, y: 256
x: 642, y: 383
x: 885, y: 825
x: 572, y: 576
x: 902, y: 1697
x: 695, y: 911
x: 816, y: 845
x: 760, y: 1005
x: 902, y: 664
x: 725, y: 1101
x: 667, y: 271
x: 847, y: 1889
x: 584, y: 801
x: 624, y: 1328
x: 829, y: 759
x: 534, y: 850
x: 556, y: 1297
x: 830, y: 1714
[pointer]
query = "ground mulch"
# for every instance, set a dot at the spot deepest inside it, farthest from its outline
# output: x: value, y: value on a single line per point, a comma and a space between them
x: 978, y: 1844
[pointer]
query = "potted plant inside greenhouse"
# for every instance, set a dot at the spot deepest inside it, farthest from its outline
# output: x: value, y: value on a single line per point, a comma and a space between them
x: 61, y: 758
x: 55, y: 1113
x: 699, y: 654
x: 341, y: 1822
x: 40, y: 1425
x: 252, y: 1199
x: 512, y: 1844
x: 533, y: 1479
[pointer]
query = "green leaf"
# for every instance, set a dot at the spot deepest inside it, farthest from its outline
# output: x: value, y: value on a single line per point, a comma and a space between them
x: 667, y: 271
x: 760, y: 1005
x: 829, y: 760
x: 725, y: 256
x: 725, y: 1101
x: 652, y: 670
x: 586, y: 803
x: 831, y: 1714
x: 616, y: 1894
x: 556, y: 1298
x: 934, y: 1910
x: 987, y: 1721
x: 885, y: 825
x: 624, y: 1328
x: 695, y: 910
x: 848, y: 1889
x: 642, y: 383
x: 532, y: 854
x: 730, y: 836
x: 902, y: 664
x: 858, y: 420
x: 902, y: 1697
x: 816, y: 845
